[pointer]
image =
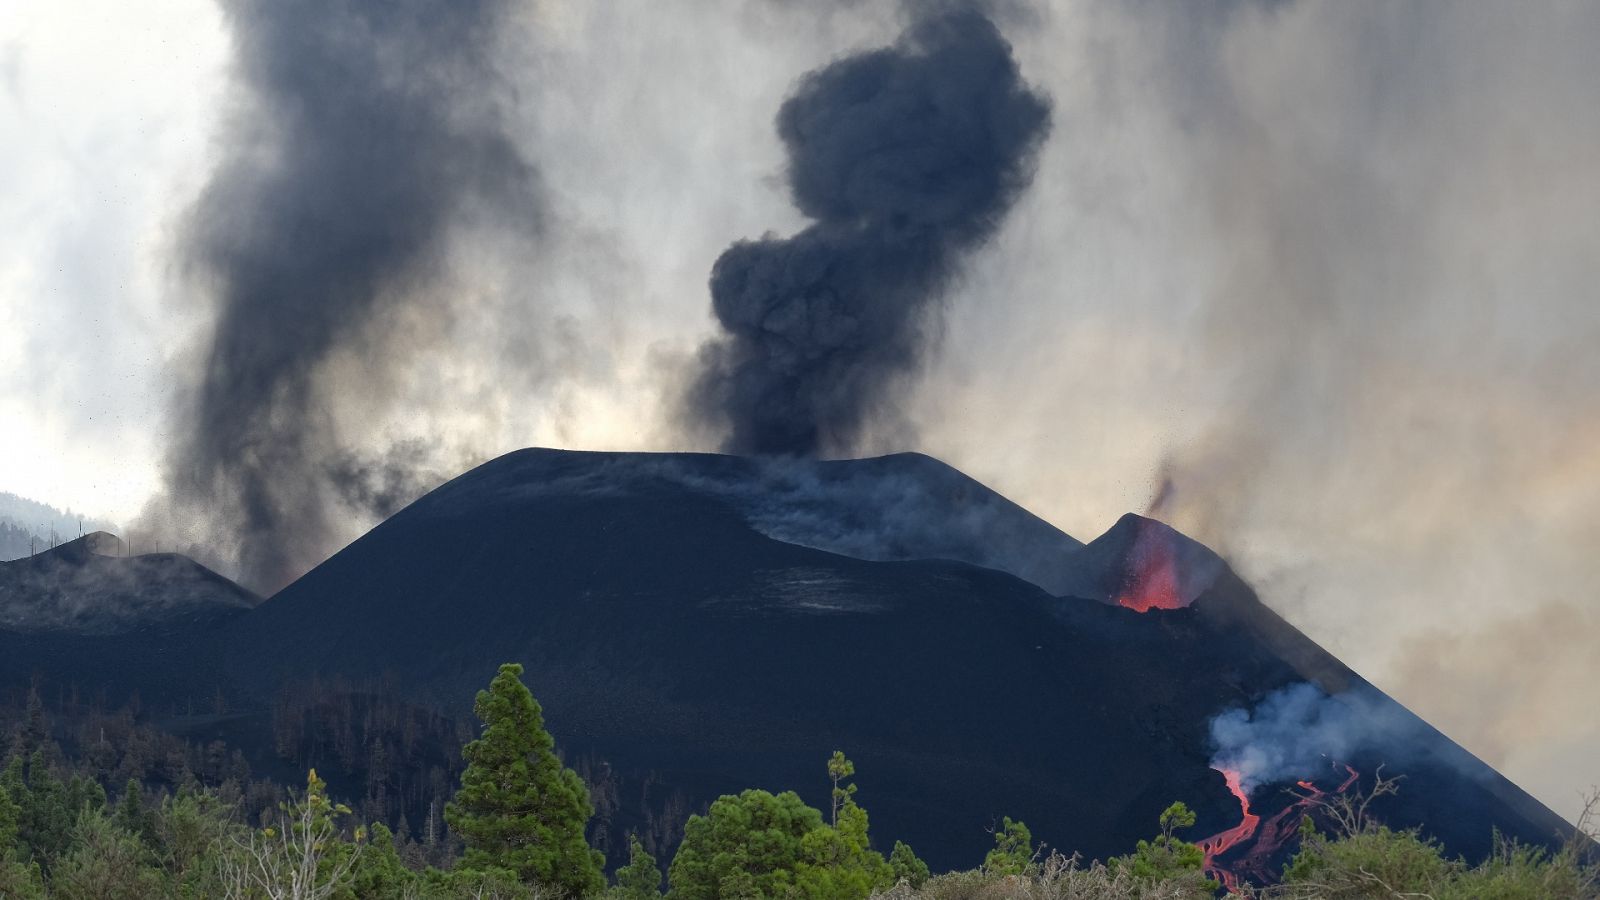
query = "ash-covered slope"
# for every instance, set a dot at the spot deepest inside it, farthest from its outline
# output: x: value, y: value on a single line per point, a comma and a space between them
x: 899, y: 507
x: 695, y: 622
x: 87, y: 587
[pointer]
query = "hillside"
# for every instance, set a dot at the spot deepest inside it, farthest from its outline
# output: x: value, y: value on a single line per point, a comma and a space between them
x: 88, y: 587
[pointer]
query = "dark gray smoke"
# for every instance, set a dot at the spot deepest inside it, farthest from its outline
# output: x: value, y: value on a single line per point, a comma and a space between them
x: 907, y: 158
x: 364, y: 132
x: 388, y: 482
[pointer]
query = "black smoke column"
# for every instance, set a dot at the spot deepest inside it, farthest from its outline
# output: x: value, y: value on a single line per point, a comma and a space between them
x: 362, y: 131
x: 908, y: 158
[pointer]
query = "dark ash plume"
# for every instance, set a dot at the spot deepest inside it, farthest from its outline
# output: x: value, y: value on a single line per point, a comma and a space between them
x: 363, y: 133
x: 907, y: 158
x: 386, y: 483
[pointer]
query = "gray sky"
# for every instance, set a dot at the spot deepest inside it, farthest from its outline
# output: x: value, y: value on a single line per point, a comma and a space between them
x: 1329, y: 267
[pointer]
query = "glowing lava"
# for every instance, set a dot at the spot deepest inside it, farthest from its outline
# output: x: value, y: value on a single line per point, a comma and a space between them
x: 1260, y: 841
x: 1151, y: 581
x: 1224, y: 841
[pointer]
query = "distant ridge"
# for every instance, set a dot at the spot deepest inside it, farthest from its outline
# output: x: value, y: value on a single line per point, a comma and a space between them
x: 28, y: 526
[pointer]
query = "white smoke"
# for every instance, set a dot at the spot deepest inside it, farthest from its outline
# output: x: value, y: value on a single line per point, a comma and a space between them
x: 1298, y: 732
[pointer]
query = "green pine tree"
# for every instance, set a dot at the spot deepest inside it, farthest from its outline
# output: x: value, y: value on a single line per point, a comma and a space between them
x: 749, y: 845
x: 840, y: 863
x: 640, y: 879
x: 906, y: 866
x: 134, y: 815
x: 106, y: 862
x: 378, y: 871
x: 518, y: 808
x: 1013, y: 850
x: 1167, y: 858
x: 10, y: 820
x: 47, y: 812
x: 18, y: 878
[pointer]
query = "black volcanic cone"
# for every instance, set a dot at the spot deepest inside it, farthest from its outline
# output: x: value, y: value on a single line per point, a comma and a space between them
x: 668, y: 636
x: 698, y: 624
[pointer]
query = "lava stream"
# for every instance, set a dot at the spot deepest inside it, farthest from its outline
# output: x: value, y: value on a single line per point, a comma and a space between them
x: 1268, y: 837
x: 1224, y: 841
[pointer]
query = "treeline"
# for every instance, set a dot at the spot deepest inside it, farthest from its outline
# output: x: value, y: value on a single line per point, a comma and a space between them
x: 17, y: 542
x: 518, y: 824
x: 28, y: 525
x: 390, y: 760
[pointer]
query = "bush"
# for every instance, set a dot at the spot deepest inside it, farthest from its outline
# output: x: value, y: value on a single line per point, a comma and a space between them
x: 1052, y: 877
x: 745, y: 845
x: 1166, y: 858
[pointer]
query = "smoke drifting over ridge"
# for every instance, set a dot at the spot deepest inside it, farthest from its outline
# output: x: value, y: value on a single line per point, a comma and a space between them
x: 907, y: 158
x: 365, y: 132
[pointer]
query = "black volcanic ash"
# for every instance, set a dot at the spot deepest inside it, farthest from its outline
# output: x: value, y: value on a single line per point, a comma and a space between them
x: 907, y: 158
x: 364, y: 131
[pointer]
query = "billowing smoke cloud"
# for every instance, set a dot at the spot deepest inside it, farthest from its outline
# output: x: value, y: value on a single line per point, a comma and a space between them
x: 907, y: 158
x: 1296, y: 732
x: 364, y: 133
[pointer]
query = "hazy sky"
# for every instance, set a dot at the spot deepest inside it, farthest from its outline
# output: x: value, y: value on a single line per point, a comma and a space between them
x: 1329, y: 267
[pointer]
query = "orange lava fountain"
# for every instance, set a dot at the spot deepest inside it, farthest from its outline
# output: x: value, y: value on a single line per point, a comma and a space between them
x: 1152, y: 578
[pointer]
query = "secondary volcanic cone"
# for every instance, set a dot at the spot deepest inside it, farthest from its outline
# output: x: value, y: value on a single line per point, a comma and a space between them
x: 1145, y: 565
x: 1152, y: 573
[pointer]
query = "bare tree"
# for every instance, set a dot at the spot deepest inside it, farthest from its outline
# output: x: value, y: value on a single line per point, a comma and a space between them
x: 300, y: 857
x: 1348, y: 810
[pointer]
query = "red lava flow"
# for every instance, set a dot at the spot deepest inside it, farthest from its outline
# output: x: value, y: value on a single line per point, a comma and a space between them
x: 1258, y: 841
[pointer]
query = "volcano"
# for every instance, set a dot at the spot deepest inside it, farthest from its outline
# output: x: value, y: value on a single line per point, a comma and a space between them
x: 698, y: 624
x: 89, y: 586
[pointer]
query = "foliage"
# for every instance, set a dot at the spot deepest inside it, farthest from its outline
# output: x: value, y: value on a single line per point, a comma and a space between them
x: 300, y: 857
x: 518, y: 808
x: 1166, y: 857
x: 60, y: 839
x: 1364, y: 858
x: 906, y: 867
x: 839, y: 861
x: 106, y: 862
x: 473, y: 884
x: 378, y: 870
x: 840, y: 768
x: 1375, y: 860
x: 1013, y: 852
x: 748, y: 845
x: 763, y: 845
x: 18, y: 880
x: 47, y: 807
x: 1051, y: 877
x: 640, y: 879
x: 10, y: 818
